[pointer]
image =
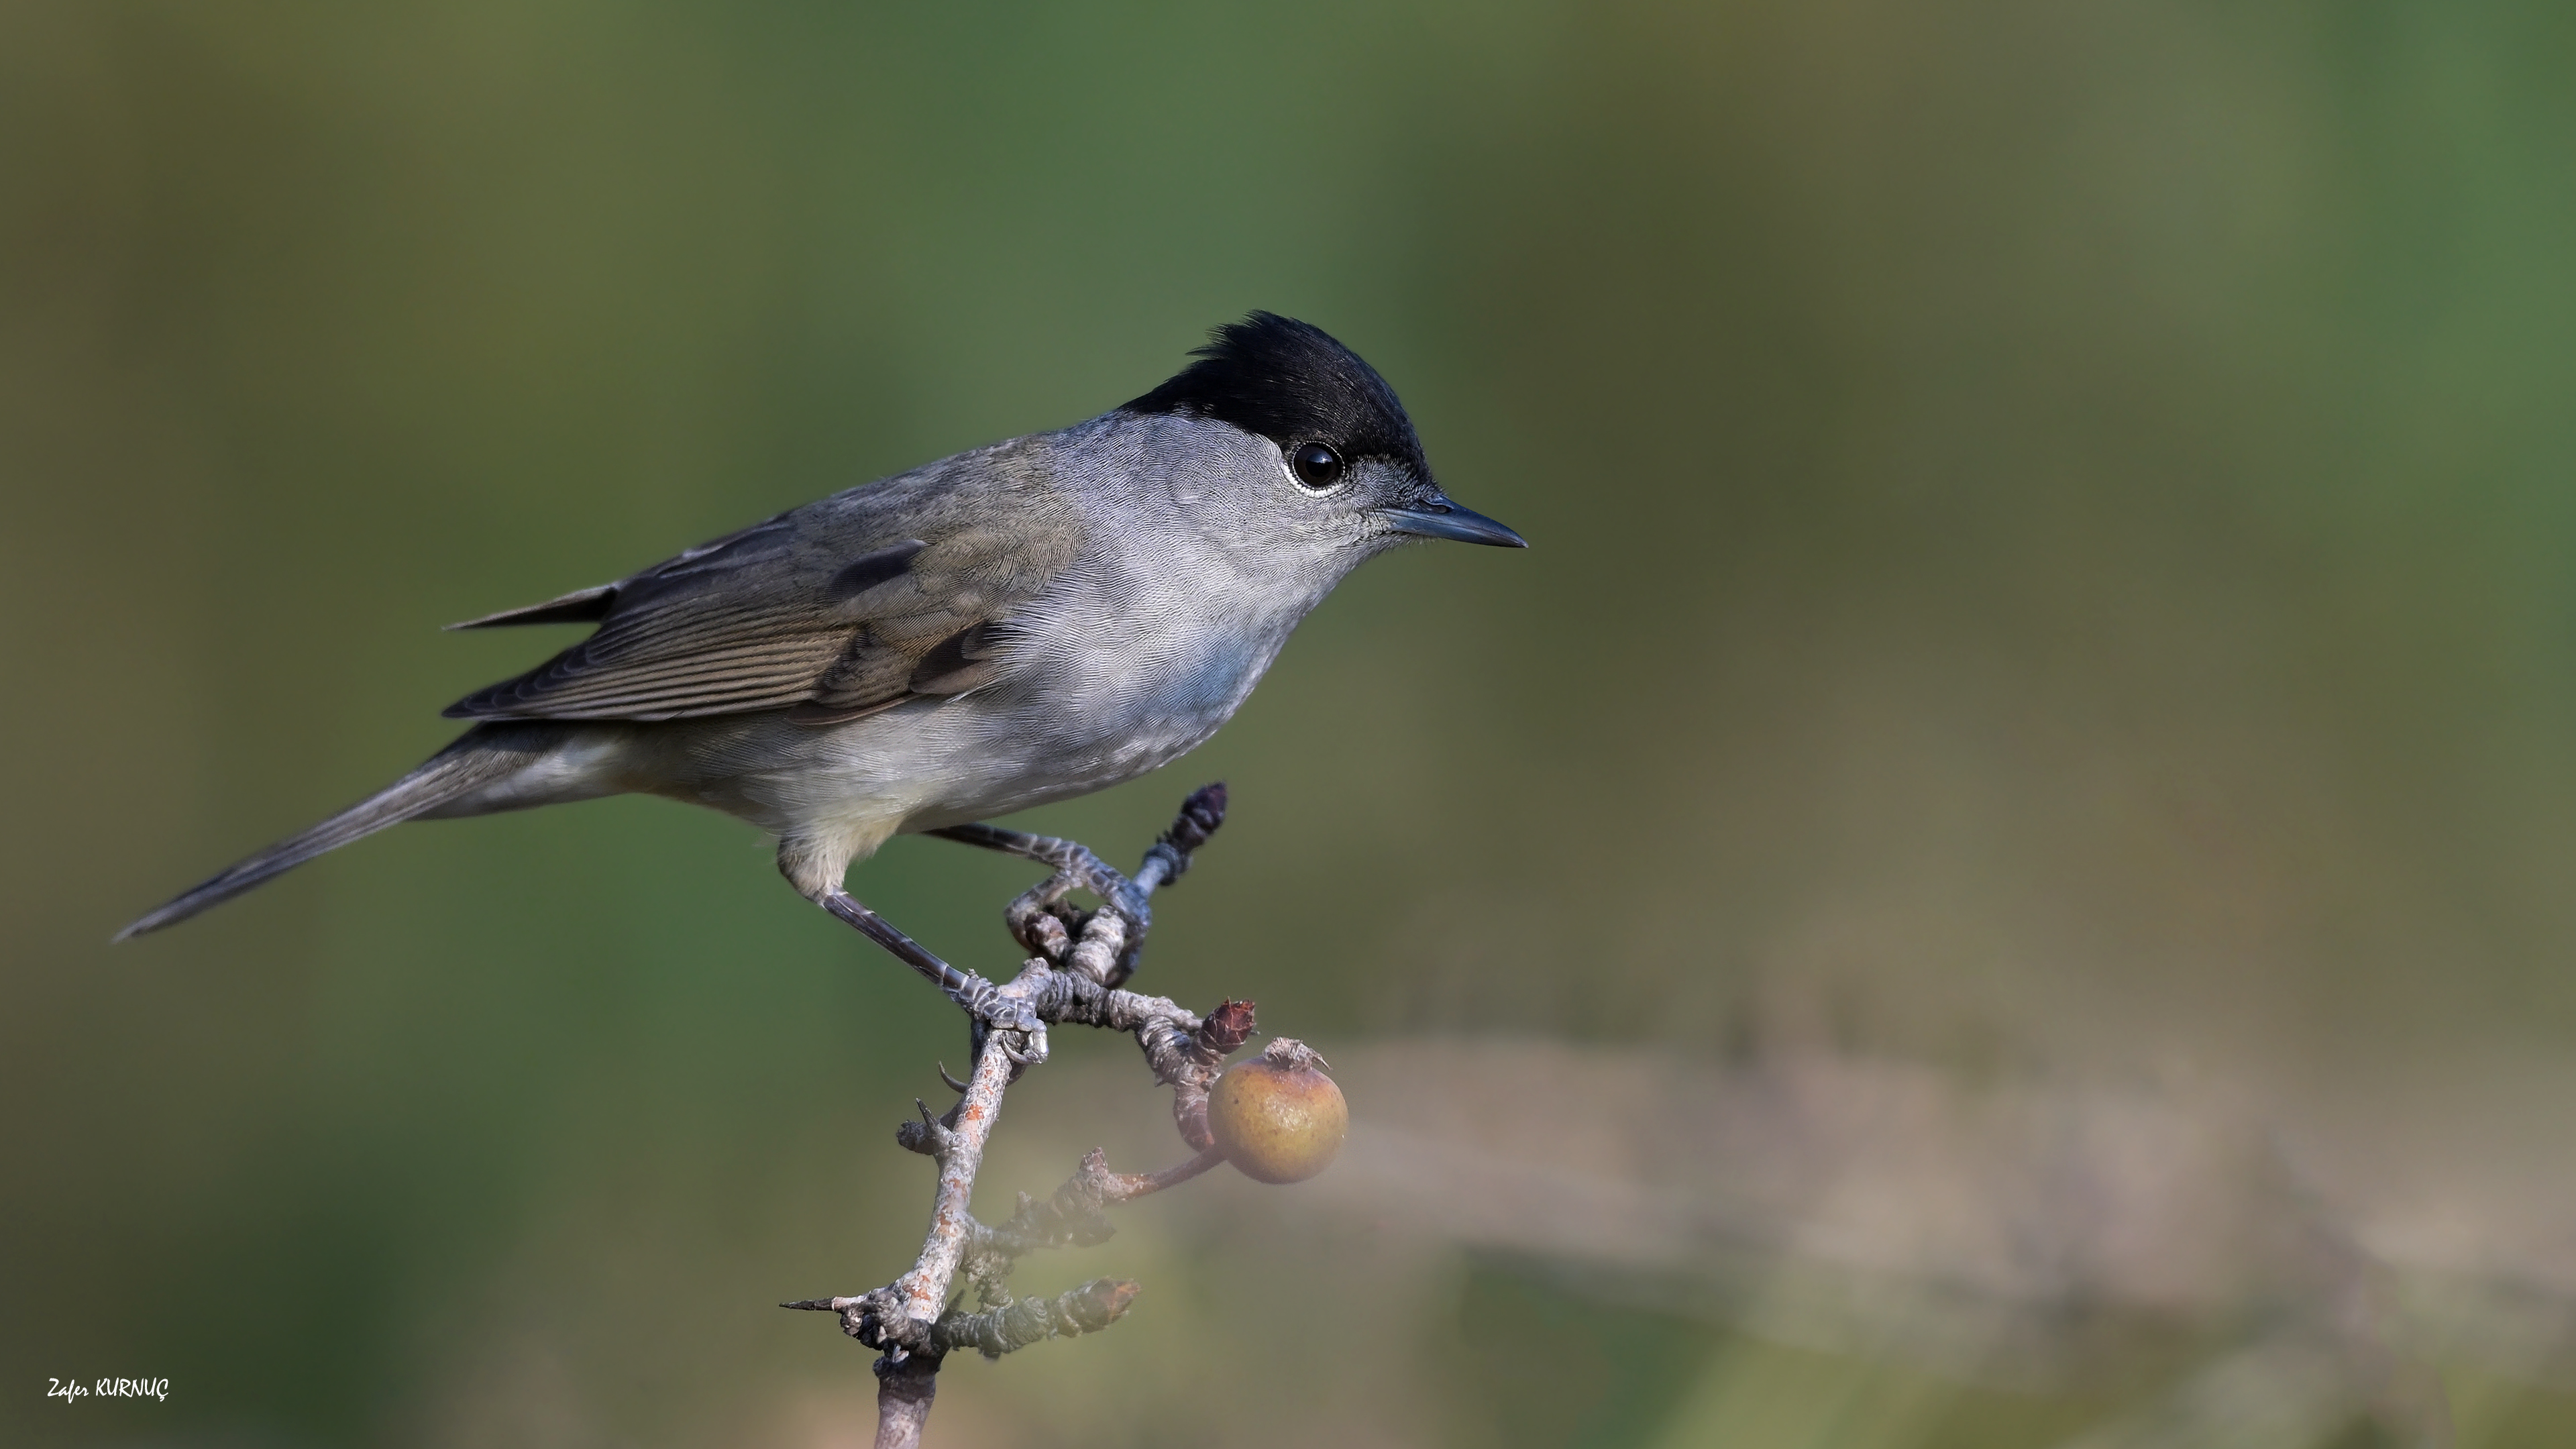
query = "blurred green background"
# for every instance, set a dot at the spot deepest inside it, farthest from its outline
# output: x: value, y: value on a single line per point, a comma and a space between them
x: 2053, y: 531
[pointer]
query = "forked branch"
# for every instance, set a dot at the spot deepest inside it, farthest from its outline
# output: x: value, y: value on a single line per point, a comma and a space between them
x: 1072, y: 977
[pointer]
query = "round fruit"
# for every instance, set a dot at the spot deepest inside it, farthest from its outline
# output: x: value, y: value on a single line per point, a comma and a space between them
x: 1277, y: 1117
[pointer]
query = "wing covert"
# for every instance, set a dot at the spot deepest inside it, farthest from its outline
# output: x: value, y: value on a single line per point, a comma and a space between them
x: 850, y: 605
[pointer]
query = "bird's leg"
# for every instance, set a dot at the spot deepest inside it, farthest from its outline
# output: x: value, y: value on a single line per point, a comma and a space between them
x: 1075, y: 867
x: 991, y: 1006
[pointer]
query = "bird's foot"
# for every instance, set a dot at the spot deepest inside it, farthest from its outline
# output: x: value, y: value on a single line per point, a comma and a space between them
x: 1103, y: 943
x: 1044, y: 920
x: 1106, y: 943
x: 1004, y: 1017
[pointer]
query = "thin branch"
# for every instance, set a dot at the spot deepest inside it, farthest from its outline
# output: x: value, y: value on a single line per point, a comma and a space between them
x: 904, y: 1392
x: 1016, y: 1323
x: 923, y: 1293
x: 1072, y: 1217
x: 1072, y: 978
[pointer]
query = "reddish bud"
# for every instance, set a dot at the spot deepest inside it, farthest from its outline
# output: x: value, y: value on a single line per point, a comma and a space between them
x: 1099, y: 1303
x: 1227, y: 1028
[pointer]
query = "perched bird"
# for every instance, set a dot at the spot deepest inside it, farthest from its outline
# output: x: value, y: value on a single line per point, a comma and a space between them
x: 1024, y: 622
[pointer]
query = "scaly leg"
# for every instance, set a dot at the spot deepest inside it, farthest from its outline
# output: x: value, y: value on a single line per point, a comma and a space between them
x: 815, y: 863
x: 981, y: 998
x: 1075, y: 867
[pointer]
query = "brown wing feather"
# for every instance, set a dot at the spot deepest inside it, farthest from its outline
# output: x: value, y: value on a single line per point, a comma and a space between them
x: 841, y: 608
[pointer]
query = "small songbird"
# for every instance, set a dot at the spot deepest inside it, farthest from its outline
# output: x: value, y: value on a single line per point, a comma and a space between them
x: 1024, y: 622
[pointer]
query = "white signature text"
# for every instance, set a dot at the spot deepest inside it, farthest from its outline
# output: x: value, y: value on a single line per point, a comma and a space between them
x: 70, y: 1389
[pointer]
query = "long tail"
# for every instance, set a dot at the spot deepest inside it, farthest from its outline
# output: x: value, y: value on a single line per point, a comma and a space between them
x: 479, y: 757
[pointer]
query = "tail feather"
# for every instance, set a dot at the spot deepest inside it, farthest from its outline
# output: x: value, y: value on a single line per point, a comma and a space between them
x: 478, y: 758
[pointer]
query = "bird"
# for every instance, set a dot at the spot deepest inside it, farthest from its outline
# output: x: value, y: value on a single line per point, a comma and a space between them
x: 1023, y: 622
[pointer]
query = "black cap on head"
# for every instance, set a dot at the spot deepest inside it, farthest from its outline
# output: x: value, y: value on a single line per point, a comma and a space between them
x: 1292, y: 383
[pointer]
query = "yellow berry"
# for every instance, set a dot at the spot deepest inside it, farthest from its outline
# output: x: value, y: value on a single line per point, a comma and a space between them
x: 1277, y: 1117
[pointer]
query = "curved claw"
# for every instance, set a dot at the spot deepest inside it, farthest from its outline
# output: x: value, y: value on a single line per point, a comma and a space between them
x: 1033, y: 1054
x: 996, y: 1010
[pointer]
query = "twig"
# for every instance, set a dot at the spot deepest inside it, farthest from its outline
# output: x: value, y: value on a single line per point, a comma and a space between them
x: 1073, y: 977
x: 1017, y: 1323
x: 921, y: 1294
x: 1072, y: 1217
x: 904, y: 1390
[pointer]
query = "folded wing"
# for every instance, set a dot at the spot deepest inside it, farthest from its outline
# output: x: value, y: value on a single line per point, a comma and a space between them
x: 857, y: 603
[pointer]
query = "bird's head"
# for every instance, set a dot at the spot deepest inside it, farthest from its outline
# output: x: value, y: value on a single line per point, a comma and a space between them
x: 1323, y: 452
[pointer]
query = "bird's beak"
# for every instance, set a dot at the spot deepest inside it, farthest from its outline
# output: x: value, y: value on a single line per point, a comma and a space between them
x: 1440, y: 518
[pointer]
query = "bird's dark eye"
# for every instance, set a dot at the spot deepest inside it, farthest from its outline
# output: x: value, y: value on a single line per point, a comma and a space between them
x: 1317, y: 466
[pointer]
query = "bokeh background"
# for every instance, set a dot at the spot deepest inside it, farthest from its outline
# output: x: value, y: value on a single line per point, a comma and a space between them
x: 1998, y: 876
